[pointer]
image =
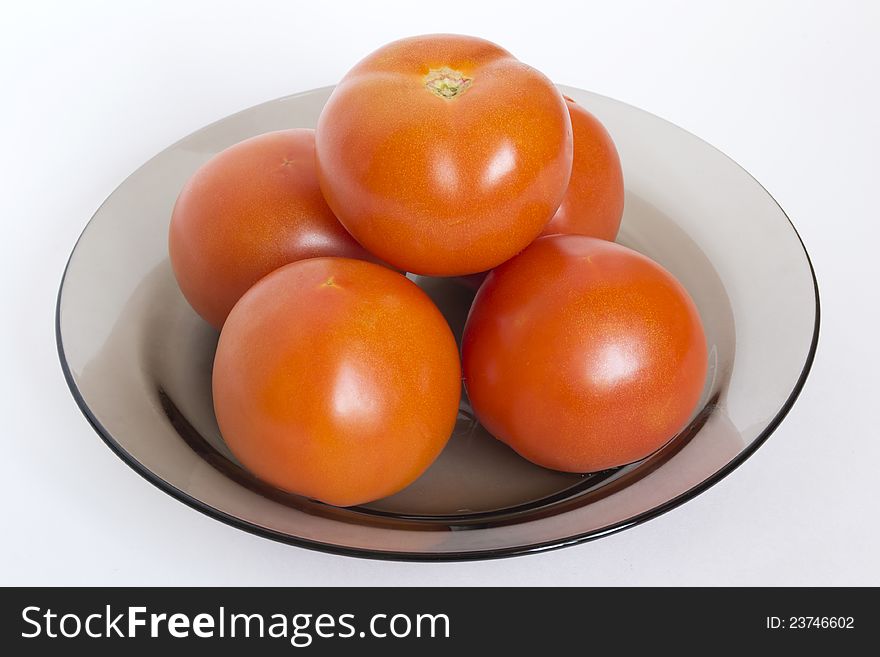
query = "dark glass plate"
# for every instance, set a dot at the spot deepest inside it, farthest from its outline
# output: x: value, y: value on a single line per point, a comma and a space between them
x: 138, y: 359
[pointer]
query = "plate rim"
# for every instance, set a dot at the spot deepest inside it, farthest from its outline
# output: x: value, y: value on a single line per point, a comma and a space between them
x: 469, y: 555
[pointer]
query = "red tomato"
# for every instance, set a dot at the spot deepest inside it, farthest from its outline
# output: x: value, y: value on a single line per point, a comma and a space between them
x: 582, y: 354
x: 249, y: 210
x: 444, y: 155
x: 336, y: 379
x: 593, y: 204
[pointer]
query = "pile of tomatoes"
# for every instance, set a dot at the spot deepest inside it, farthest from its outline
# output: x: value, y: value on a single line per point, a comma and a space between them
x: 336, y: 377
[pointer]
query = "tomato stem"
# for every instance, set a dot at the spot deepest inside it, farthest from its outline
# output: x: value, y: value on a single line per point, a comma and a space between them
x: 446, y: 82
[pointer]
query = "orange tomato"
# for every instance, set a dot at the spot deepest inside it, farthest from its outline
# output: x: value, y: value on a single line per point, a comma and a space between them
x: 444, y: 155
x: 336, y: 379
x: 593, y: 203
x: 251, y: 209
x: 582, y: 354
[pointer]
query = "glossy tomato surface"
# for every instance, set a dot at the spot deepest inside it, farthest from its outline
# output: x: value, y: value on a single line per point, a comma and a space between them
x: 582, y: 354
x: 336, y: 379
x: 444, y: 155
x: 593, y: 203
x: 247, y: 211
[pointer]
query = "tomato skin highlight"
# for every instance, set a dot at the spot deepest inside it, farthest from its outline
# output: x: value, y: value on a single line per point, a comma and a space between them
x: 583, y: 355
x: 593, y: 203
x: 247, y: 211
x: 336, y: 379
x: 443, y: 154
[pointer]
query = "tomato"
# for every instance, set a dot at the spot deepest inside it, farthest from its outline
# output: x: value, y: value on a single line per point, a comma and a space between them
x: 250, y: 209
x: 593, y: 204
x: 583, y: 355
x: 444, y: 155
x: 336, y: 379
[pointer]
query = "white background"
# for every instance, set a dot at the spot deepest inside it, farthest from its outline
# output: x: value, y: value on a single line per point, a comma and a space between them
x: 89, y: 91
